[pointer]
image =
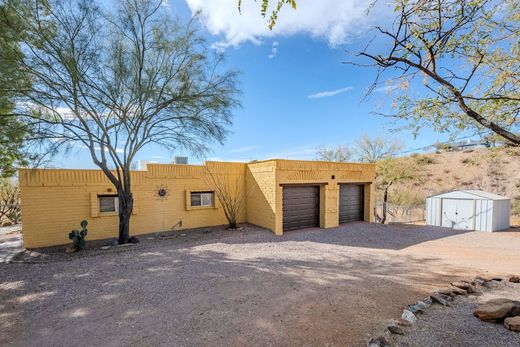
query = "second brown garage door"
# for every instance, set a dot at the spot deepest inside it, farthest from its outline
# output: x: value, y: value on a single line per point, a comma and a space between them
x: 351, y: 203
x: 301, y: 207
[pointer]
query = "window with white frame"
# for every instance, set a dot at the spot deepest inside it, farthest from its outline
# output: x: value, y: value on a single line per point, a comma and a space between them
x: 108, y: 203
x: 202, y: 199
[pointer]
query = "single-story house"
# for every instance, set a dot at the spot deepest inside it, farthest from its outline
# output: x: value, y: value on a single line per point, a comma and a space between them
x: 469, y: 210
x: 279, y: 195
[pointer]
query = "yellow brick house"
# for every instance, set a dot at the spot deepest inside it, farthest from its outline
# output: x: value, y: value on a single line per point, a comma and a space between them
x: 280, y: 195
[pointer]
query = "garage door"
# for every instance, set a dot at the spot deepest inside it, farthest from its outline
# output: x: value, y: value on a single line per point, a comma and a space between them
x: 458, y: 214
x: 351, y: 203
x: 301, y: 207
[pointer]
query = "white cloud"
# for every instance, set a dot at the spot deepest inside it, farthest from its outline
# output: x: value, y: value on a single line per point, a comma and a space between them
x: 244, y: 149
x: 332, y: 20
x: 328, y: 93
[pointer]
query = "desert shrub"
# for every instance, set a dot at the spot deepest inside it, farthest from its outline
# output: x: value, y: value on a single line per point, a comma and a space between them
x: 447, y: 171
x: 426, y: 160
x: 470, y: 161
x: 515, y: 207
x: 78, y: 236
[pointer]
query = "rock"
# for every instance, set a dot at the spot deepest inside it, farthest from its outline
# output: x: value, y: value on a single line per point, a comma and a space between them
x: 471, y: 289
x: 497, y: 309
x: 183, y: 234
x: 428, y: 301
x: 378, y: 342
x: 416, y: 308
x: 461, y: 284
x: 105, y: 247
x: 404, y: 323
x: 447, y: 292
x: 512, y: 323
x: 134, y: 239
x: 409, y: 316
x: 7, y: 223
x: 459, y: 291
x: 70, y: 250
x: 514, y: 279
x: 394, y: 329
x: 440, y: 299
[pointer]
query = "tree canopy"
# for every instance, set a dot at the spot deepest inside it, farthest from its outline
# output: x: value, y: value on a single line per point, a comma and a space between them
x: 116, y: 80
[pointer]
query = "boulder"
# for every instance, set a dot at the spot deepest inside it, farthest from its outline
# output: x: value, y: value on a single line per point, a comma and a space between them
x: 446, y: 292
x: 514, y: 279
x: 409, y: 316
x: 459, y: 291
x: 440, y: 299
x: 416, y: 308
x: 395, y: 329
x: 461, y: 284
x: 512, y: 323
x: 497, y: 309
x: 403, y: 323
x: 378, y: 342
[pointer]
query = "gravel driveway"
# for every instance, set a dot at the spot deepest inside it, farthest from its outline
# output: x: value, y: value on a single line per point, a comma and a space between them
x: 313, y: 287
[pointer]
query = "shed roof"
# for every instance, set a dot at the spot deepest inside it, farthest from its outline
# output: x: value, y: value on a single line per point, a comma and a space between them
x: 470, y: 194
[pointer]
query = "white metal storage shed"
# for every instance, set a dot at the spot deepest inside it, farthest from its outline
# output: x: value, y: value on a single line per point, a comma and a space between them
x: 469, y: 210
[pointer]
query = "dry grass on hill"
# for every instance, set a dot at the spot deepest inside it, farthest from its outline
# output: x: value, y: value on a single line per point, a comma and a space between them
x: 495, y: 170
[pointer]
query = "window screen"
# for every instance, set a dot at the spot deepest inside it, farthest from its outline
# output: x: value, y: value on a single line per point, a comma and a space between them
x: 202, y: 199
x: 108, y: 203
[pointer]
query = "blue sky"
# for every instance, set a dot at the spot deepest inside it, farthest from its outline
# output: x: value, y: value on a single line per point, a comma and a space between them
x: 296, y: 93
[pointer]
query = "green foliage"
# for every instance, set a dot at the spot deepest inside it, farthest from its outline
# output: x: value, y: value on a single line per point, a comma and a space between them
x: 12, y: 78
x: 515, y: 207
x: 78, y: 236
x: 274, y: 14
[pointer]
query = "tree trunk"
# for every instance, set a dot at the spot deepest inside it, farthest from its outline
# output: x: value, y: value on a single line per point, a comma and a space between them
x: 385, y: 201
x: 126, y: 204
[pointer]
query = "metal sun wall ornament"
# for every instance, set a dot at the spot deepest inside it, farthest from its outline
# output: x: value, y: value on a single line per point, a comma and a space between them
x: 162, y: 192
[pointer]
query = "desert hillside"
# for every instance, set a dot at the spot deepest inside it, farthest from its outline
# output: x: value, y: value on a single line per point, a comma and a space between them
x: 495, y: 170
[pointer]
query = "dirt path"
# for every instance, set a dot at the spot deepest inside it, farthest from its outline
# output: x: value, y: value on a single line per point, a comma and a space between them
x: 312, y: 287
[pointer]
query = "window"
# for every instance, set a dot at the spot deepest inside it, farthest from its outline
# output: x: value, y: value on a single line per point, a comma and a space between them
x: 108, y: 203
x: 202, y: 199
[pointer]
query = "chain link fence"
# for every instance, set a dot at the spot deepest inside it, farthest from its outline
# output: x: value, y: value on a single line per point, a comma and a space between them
x: 401, y: 214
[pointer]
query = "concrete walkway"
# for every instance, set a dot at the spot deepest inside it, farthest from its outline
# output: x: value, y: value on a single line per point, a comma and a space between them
x: 10, y: 242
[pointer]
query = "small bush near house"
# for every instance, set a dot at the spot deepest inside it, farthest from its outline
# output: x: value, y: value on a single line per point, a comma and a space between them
x: 78, y: 236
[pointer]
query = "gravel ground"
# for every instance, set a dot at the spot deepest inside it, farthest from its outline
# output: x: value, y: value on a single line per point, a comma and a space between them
x: 10, y: 242
x: 313, y: 287
x: 457, y: 324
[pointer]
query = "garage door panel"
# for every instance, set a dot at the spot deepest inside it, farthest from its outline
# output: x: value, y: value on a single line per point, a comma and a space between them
x: 351, y: 203
x: 300, y: 207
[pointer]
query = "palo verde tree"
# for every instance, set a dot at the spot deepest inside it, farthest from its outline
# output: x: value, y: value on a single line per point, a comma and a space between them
x: 12, y: 131
x: 464, y: 53
x: 114, y: 80
x: 390, y: 171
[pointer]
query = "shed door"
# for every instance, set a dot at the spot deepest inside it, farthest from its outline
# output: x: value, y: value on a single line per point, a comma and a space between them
x: 301, y: 207
x: 458, y: 214
x: 351, y: 203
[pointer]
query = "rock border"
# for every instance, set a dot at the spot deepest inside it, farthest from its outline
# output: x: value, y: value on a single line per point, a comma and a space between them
x: 441, y: 296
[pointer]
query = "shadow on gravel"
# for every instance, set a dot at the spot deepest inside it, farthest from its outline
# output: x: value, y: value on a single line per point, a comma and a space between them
x: 250, y: 290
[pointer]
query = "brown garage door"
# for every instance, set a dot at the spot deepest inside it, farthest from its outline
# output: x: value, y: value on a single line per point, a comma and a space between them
x: 301, y: 207
x: 351, y: 203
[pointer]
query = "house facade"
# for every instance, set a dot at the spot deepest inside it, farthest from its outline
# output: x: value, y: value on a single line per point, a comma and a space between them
x: 280, y: 195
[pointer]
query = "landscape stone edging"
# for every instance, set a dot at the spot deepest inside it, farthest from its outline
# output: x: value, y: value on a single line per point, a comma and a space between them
x: 442, y: 297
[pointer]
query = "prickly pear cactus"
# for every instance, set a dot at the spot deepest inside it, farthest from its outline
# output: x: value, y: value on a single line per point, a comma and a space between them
x: 78, y: 236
